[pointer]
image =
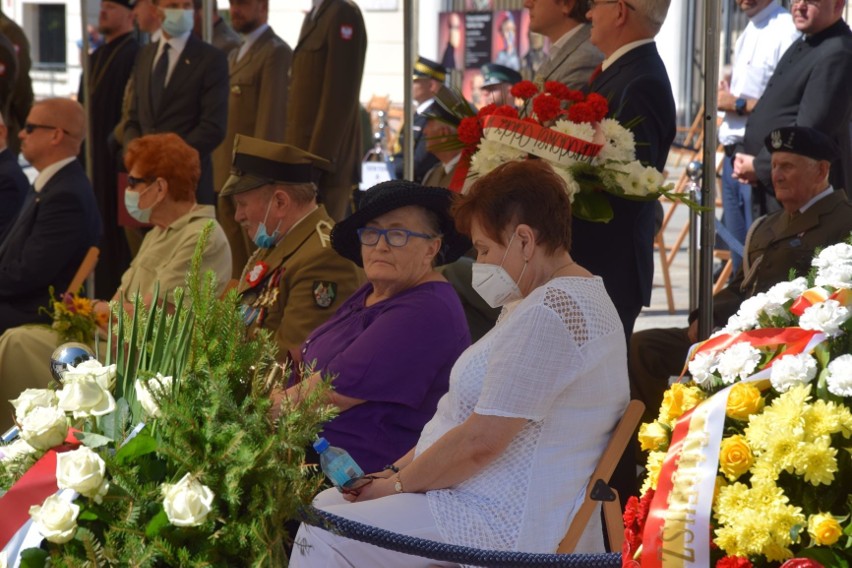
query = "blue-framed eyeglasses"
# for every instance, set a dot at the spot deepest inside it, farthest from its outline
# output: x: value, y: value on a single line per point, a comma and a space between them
x: 369, y: 236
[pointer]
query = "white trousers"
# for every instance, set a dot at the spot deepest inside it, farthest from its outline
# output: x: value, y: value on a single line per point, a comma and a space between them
x: 406, y: 513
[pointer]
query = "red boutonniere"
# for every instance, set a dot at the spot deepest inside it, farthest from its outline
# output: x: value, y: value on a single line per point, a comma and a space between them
x: 256, y: 274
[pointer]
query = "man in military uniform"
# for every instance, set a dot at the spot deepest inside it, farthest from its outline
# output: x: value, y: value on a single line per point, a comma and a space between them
x: 295, y: 280
x: 497, y: 81
x: 814, y: 215
x: 428, y: 79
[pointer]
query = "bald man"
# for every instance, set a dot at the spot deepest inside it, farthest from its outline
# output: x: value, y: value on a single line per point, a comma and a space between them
x: 59, y: 220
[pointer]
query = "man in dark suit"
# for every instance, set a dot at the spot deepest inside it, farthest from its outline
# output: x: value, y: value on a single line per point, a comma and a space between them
x: 811, y: 86
x: 110, y: 67
x: 634, y: 80
x: 13, y: 182
x: 323, y: 107
x: 814, y: 215
x: 59, y: 220
x: 182, y: 88
x: 429, y: 77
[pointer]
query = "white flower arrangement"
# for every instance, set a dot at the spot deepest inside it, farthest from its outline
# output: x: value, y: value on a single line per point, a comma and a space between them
x: 701, y: 368
x: 619, y: 145
x: 737, y: 362
x: 826, y: 317
x: 839, y: 376
x: 791, y: 370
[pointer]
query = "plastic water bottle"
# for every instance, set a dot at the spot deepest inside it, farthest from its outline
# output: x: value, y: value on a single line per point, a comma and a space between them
x: 337, y: 465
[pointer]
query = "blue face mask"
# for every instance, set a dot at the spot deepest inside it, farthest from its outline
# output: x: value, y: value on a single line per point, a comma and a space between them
x: 131, y: 202
x: 263, y: 239
x: 177, y: 21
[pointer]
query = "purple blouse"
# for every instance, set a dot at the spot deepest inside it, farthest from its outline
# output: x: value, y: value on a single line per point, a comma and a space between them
x: 396, y: 355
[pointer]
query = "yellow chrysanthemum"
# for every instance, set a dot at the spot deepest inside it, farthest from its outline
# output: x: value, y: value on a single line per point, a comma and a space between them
x: 826, y: 418
x: 743, y: 401
x: 817, y: 461
x: 652, y: 471
x: 824, y: 529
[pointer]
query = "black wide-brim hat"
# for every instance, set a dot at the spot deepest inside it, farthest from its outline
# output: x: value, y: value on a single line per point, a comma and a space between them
x: 387, y: 196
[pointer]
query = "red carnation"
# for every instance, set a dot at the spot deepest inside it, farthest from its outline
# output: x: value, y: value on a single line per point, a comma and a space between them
x: 546, y: 107
x: 576, y: 96
x: 469, y: 130
x: 802, y: 563
x: 486, y: 110
x: 524, y: 90
x: 506, y: 110
x: 734, y: 562
x: 558, y: 90
x: 599, y: 104
x: 582, y: 112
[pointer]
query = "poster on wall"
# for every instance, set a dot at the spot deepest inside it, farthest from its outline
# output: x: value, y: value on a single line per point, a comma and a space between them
x: 505, y: 48
x: 451, y: 39
x: 477, y: 39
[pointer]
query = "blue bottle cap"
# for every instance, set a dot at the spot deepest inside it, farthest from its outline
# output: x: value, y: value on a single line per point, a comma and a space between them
x: 321, y: 445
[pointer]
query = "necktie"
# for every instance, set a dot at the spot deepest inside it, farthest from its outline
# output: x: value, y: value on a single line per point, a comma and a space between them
x: 598, y: 70
x: 158, y: 78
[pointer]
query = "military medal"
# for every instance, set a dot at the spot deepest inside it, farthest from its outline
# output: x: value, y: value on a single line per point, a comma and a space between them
x: 324, y: 293
x: 256, y: 274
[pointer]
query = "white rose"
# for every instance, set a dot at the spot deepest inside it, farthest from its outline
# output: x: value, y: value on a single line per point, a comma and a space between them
x: 91, y: 368
x: 86, y: 395
x: 826, y: 316
x: 55, y: 519
x: 792, y: 370
x: 148, y: 392
x: 785, y: 291
x: 701, y: 368
x: 187, y: 502
x: 840, y: 253
x: 82, y: 470
x: 44, y: 427
x: 839, y: 377
x: 15, y: 450
x: 737, y: 362
x: 32, y: 398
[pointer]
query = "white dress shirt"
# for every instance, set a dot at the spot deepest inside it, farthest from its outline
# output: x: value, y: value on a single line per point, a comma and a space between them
x: 176, y: 46
x: 765, y: 39
x: 48, y: 172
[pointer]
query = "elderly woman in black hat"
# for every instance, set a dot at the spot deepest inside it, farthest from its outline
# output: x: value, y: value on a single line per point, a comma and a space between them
x: 392, y: 344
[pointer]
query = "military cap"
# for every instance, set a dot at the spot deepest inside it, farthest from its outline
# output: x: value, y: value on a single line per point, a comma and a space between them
x: 494, y: 74
x: 428, y: 69
x: 449, y: 107
x: 259, y: 162
x: 803, y: 141
x: 126, y: 3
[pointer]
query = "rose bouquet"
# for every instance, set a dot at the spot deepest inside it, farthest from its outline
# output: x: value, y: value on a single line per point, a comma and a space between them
x: 164, y: 455
x: 594, y: 155
x: 74, y: 317
x: 749, y: 461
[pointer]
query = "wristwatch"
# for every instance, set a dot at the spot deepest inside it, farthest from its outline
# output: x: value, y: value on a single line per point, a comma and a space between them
x: 397, y: 485
x: 740, y: 106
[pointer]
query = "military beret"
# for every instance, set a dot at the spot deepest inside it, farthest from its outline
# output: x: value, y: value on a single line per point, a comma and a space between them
x: 802, y: 140
x: 259, y: 162
x: 494, y: 74
x: 428, y: 69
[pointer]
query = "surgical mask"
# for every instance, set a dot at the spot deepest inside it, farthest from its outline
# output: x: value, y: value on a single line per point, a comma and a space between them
x: 131, y: 202
x: 494, y: 284
x: 263, y: 239
x: 178, y: 21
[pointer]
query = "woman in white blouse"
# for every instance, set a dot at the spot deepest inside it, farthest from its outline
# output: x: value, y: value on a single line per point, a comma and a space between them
x: 505, y: 461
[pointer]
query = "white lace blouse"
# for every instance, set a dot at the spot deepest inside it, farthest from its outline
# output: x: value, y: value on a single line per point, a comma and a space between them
x: 557, y: 358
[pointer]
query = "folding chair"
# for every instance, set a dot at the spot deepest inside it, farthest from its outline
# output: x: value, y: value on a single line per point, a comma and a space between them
x: 87, y: 267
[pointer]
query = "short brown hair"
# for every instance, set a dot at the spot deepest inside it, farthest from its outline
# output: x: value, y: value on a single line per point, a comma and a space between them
x: 578, y: 12
x: 169, y: 157
x: 527, y: 191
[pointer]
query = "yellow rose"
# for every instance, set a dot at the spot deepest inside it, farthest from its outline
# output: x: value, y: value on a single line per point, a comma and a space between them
x: 653, y: 436
x: 743, y: 401
x: 735, y: 457
x: 678, y: 400
x: 824, y: 529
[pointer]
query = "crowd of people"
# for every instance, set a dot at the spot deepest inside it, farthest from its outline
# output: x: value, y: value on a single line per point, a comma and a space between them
x: 480, y: 342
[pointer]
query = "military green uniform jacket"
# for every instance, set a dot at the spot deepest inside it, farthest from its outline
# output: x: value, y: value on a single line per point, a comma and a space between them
x: 293, y: 288
x: 777, y: 243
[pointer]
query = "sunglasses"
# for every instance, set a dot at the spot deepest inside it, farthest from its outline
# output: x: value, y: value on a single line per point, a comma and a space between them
x: 134, y: 181
x: 30, y: 127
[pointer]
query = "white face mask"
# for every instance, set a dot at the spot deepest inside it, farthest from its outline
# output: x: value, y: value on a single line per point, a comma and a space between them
x: 494, y: 284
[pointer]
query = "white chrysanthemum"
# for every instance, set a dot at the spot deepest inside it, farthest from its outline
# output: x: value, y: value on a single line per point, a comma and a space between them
x: 651, y: 179
x: 792, y: 370
x: 620, y: 145
x: 751, y: 308
x: 572, y: 188
x: 785, y: 291
x: 737, y: 362
x: 839, y: 377
x: 840, y: 253
x: 630, y: 178
x: 837, y: 276
x: 701, y: 368
x: 492, y: 154
x: 737, y: 324
x: 826, y: 317
x: 581, y: 130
